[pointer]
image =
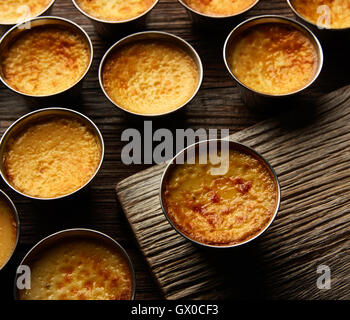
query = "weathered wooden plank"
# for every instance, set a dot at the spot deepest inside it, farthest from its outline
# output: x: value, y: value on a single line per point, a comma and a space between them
x: 312, y: 227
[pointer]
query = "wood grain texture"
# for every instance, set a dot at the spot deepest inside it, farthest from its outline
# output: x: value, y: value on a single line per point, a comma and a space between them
x: 217, y: 105
x: 312, y: 227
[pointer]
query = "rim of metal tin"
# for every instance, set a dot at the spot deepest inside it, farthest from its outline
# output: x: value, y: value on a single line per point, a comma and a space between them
x: 83, y: 233
x: 235, y: 145
x: 18, y: 224
x: 35, y: 16
x: 276, y: 19
x: 77, y: 114
x: 73, y: 25
x: 217, y: 17
x: 129, y: 39
x: 114, y: 22
x: 303, y: 18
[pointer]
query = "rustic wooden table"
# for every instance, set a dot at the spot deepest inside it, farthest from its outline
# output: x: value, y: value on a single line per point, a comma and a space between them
x: 217, y: 105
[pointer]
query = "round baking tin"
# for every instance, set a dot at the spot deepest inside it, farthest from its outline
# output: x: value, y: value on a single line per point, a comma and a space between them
x: 9, y: 202
x: 34, y: 116
x: 111, y: 29
x: 153, y: 35
x: 13, y: 34
x: 45, y: 11
x: 255, y: 98
x: 232, y: 146
x: 76, y: 233
x: 212, y: 21
x: 322, y: 32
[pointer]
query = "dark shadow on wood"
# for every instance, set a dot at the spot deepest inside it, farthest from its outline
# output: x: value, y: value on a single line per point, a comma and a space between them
x: 241, y: 269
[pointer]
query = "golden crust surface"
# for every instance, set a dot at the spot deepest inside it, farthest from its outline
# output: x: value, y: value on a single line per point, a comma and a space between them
x: 79, y: 270
x: 273, y: 59
x: 219, y: 7
x: 45, y: 61
x: 114, y: 10
x: 52, y: 158
x: 16, y: 11
x: 8, y: 232
x: 221, y: 209
x: 337, y: 12
x: 150, y: 77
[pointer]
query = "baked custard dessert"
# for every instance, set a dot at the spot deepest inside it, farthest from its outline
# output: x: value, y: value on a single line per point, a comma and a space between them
x: 221, y: 210
x: 52, y: 158
x: 45, y: 60
x: 334, y: 12
x: 150, y: 77
x: 273, y: 58
x: 114, y: 10
x: 220, y: 7
x: 79, y: 269
x: 8, y: 231
x: 16, y: 11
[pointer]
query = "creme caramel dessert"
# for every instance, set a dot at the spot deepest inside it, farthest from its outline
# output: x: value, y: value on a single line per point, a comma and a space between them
x: 150, y: 77
x: 8, y: 231
x: 80, y: 270
x: 17, y: 11
x: 114, y: 10
x: 52, y: 158
x: 45, y: 60
x: 334, y: 14
x: 273, y: 58
x: 225, y: 209
x: 220, y: 8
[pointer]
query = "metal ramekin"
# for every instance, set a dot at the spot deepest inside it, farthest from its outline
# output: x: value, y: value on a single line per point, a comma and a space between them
x: 45, y: 11
x: 12, y: 35
x: 154, y: 35
x: 257, y: 99
x: 111, y: 29
x: 5, y: 197
x: 37, y: 115
x: 76, y: 233
x: 322, y: 33
x: 233, y: 146
x: 209, y: 21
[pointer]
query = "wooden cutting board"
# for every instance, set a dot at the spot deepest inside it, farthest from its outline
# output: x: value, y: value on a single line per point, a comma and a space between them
x: 310, y: 151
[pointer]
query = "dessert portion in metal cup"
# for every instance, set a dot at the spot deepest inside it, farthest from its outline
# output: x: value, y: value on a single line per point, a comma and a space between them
x: 48, y: 59
x: 114, y: 10
x: 78, y: 264
x: 150, y: 73
x: 273, y: 56
x: 216, y: 13
x: 219, y: 195
x: 324, y: 14
x: 111, y: 17
x: 50, y: 153
x: 18, y: 11
x: 219, y: 8
x: 9, y: 229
